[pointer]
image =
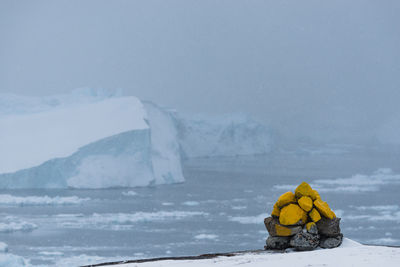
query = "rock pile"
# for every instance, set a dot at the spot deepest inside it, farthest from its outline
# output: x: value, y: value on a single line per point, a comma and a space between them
x: 302, y: 221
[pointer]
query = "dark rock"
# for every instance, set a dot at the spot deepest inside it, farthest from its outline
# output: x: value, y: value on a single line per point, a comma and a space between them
x: 329, y: 227
x: 304, y: 241
x: 331, y: 242
x: 276, y: 229
x: 270, y: 222
x: 312, y: 229
x: 277, y: 242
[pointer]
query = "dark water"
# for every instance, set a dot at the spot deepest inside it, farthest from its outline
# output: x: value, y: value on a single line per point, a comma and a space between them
x: 219, y: 208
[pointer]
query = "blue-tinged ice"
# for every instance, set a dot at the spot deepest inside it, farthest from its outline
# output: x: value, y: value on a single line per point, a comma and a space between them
x: 224, y: 135
x: 96, y: 142
x: 101, y: 139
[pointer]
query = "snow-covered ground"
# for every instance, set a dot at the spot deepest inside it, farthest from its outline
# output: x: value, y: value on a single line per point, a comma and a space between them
x: 350, y: 253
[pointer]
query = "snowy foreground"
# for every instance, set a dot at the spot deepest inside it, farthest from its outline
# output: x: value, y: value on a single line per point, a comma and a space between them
x: 350, y: 253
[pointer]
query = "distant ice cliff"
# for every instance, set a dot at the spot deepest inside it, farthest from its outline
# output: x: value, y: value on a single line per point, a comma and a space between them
x: 99, y: 139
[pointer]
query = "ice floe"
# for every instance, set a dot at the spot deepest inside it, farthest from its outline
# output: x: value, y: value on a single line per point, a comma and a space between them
x: 119, y: 221
x: 355, y: 184
x: 191, y: 203
x: 206, y: 236
x: 258, y: 219
x: 129, y: 193
x: 12, y: 225
x: 6, y: 199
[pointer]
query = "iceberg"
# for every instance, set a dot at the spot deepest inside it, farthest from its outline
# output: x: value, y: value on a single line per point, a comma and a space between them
x: 11, y: 260
x: 166, y: 158
x: 224, y: 135
x: 98, y: 141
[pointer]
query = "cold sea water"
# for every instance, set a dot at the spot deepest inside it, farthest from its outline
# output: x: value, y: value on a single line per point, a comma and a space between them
x: 219, y: 208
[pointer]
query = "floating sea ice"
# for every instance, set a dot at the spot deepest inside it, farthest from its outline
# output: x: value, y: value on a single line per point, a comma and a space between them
x: 40, y: 200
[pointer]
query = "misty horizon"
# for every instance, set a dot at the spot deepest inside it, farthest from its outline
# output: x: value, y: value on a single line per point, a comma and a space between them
x: 328, y: 71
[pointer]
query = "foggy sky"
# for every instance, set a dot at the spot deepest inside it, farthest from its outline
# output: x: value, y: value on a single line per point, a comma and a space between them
x: 322, y: 69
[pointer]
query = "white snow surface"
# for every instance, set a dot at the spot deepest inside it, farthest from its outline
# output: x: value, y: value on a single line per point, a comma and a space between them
x: 350, y: 253
x: 30, y: 139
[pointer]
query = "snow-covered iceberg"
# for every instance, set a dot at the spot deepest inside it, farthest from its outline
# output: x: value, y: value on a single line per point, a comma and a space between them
x: 226, y: 135
x: 97, y: 141
x: 165, y: 147
x: 101, y: 139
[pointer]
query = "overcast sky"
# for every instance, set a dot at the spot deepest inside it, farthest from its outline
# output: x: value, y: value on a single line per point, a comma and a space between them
x: 312, y: 67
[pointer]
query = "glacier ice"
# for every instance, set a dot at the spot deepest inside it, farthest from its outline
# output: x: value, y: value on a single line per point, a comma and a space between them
x: 100, y: 142
x: 29, y: 139
x: 226, y: 135
x: 100, y: 139
x: 11, y: 260
x: 164, y: 144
